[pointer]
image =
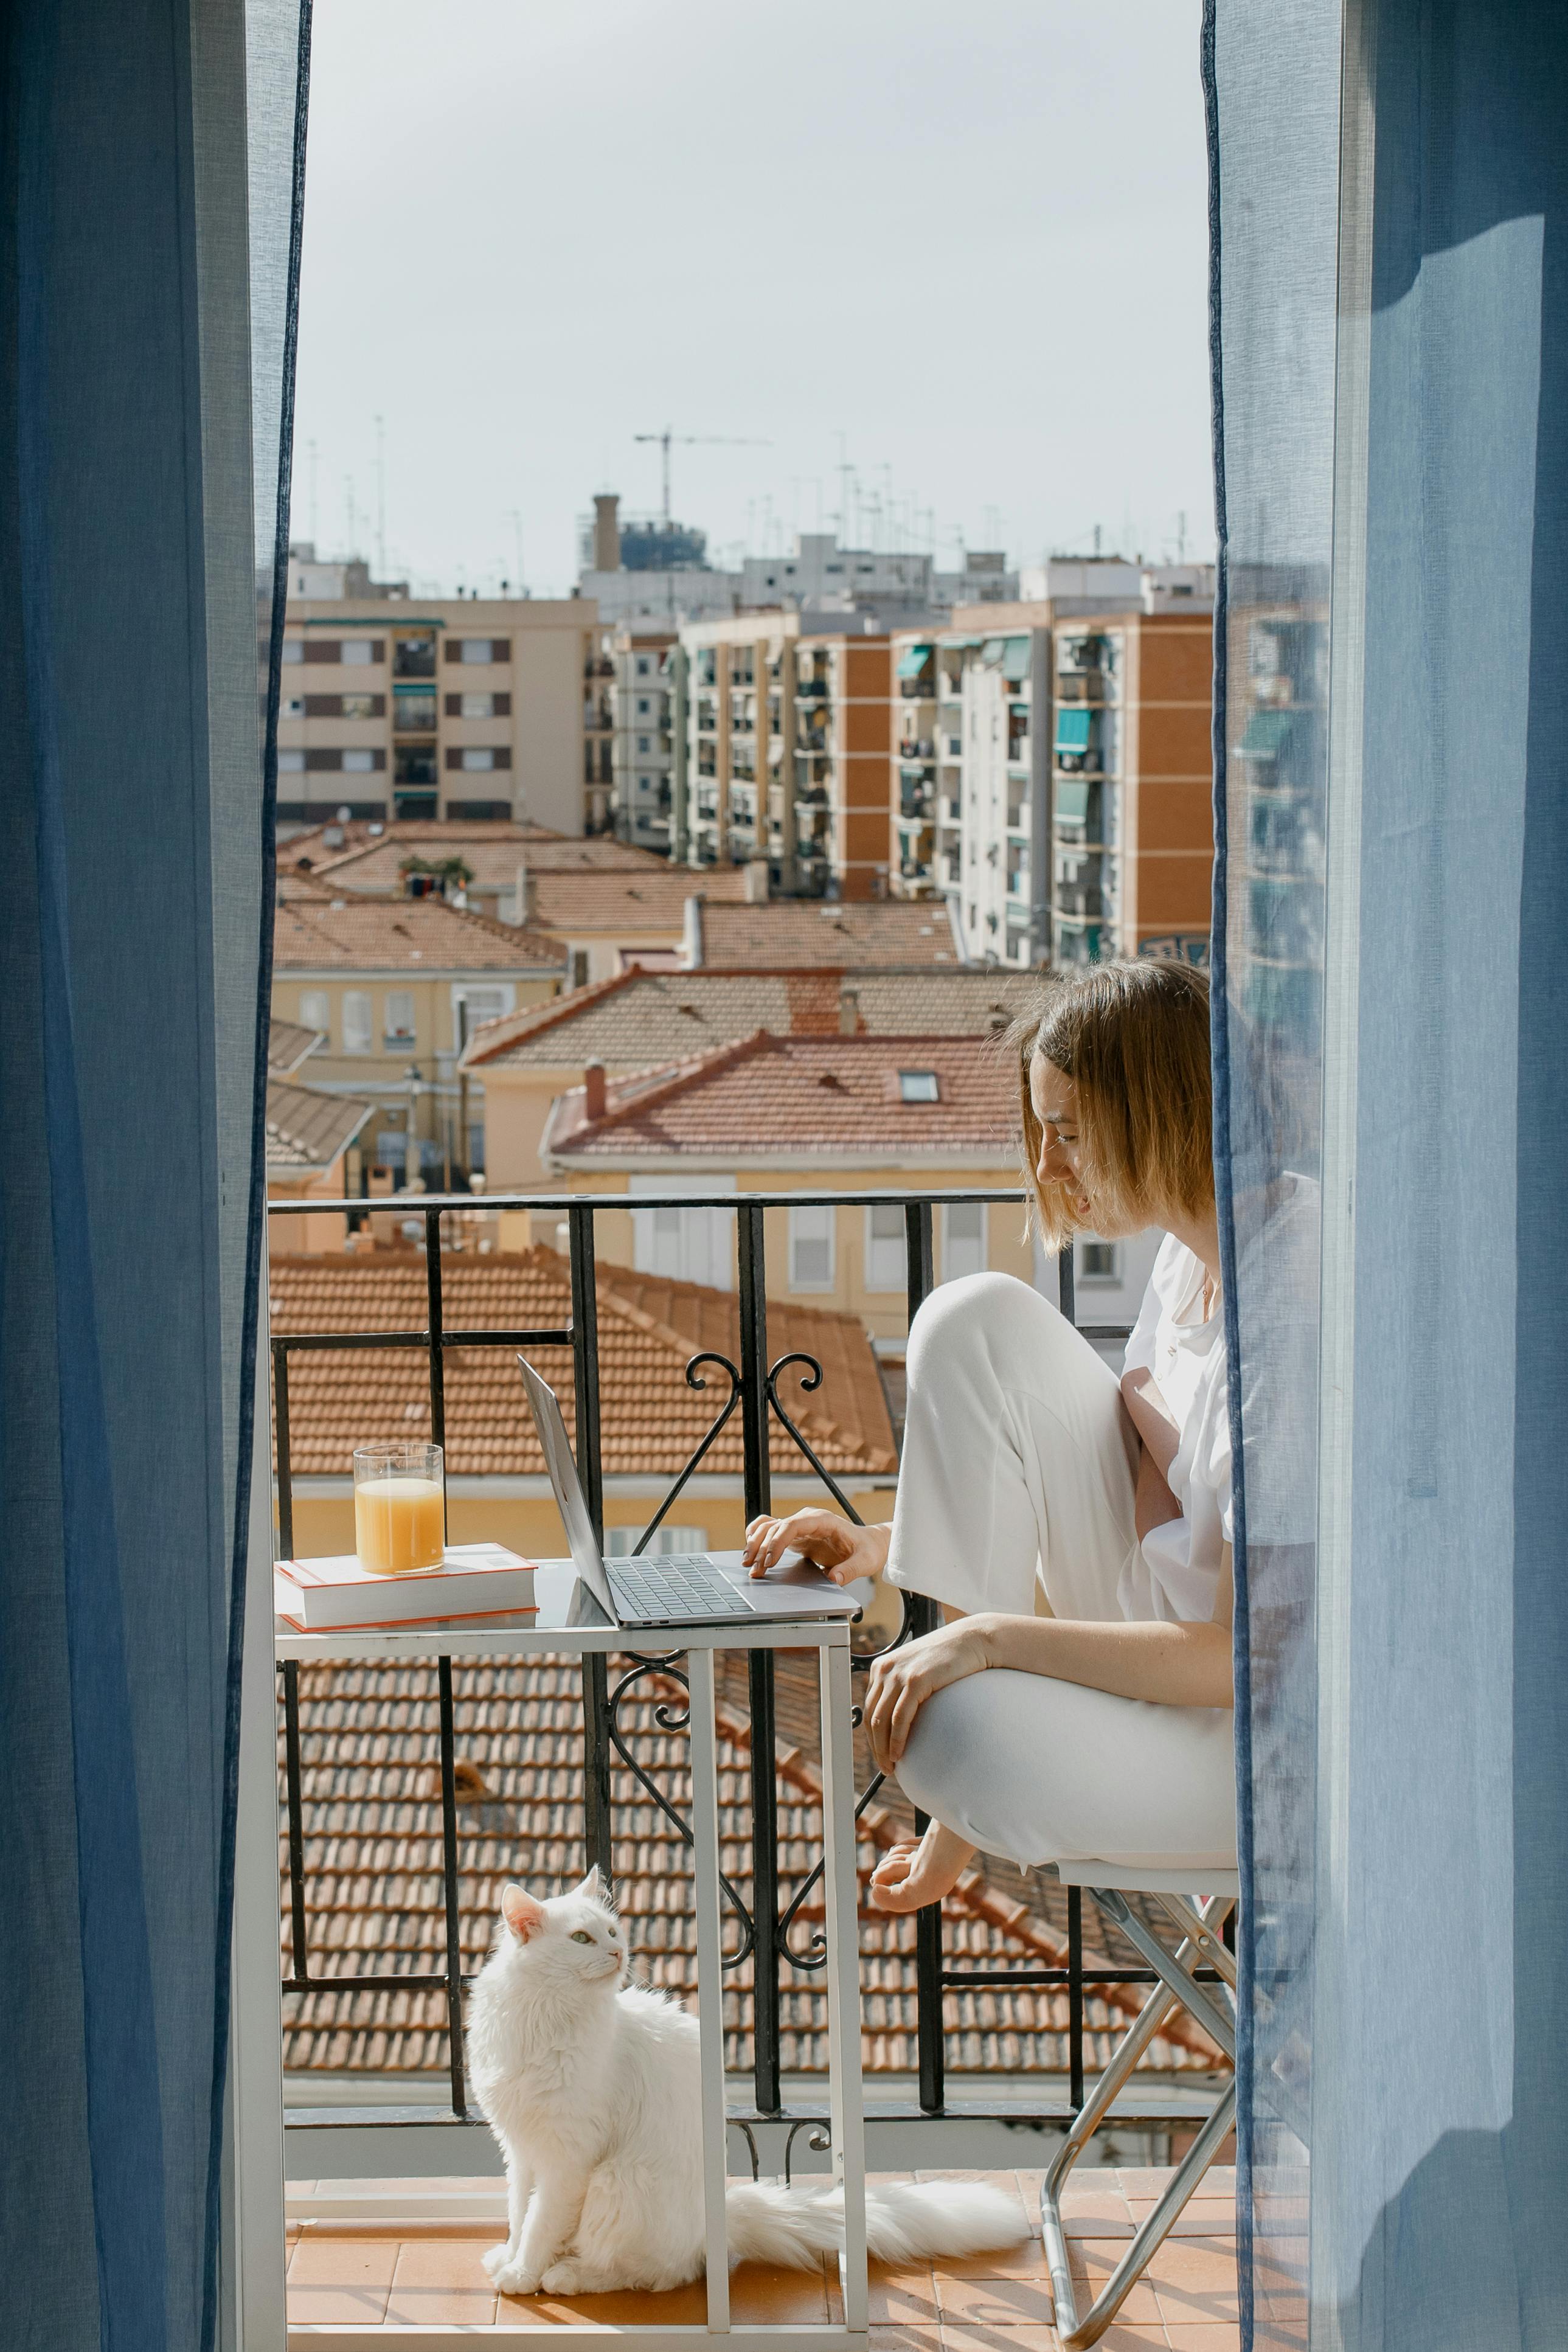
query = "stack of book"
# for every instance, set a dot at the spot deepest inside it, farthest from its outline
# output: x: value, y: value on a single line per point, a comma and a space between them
x: 335, y: 1596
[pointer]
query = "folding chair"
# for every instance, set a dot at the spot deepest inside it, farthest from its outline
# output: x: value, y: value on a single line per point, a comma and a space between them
x: 1200, y: 1922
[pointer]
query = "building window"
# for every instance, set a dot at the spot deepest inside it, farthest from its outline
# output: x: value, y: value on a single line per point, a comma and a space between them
x: 293, y: 649
x: 887, y: 1266
x: 1097, y: 1262
x: 413, y: 657
x: 355, y: 653
x: 290, y: 763
x: 477, y: 762
x: 391, y: 1148
x: 361, y: 706
x: 962, y: 1239
x: 360, y: 762
x: 358, y: 1033
x: 472, y: 1007
x: 642, y: 666
x: 476, y: 705
x: 620, y: 1543
x: 316, y: 1010
x: 477, y: 649
x: 643, y: 744
x: 811, y: 1248
x: 919, y: 1086
x: 400, y: 1016
x: 689, y: 1244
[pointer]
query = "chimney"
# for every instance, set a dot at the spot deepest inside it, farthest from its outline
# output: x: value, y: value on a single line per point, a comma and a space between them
x: 691, y: 935
x: 523, y: 908
x: 848, y: 1009
x: 593, y: 1090
x: 606, y: 532
x: 756, y: 882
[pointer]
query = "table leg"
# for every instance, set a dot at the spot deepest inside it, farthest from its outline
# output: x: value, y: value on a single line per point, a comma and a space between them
x: 847, y: 2105
x: 709, y: 1983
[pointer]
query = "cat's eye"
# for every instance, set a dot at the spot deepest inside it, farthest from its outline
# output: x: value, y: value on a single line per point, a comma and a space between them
x: 581, y: 1936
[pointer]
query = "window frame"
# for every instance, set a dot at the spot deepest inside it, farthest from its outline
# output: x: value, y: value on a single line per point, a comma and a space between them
x: 798, y: 1214
x: 950, y: 1210
x: 357, y: 997
x: 873, y: 1240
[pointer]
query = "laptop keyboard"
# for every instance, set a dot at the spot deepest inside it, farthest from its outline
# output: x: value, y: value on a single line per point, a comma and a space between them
x: 674, y: 1588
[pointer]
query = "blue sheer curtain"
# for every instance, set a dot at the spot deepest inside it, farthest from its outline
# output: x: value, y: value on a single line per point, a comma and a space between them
x: 134, y: 836
x: 1391, y: 353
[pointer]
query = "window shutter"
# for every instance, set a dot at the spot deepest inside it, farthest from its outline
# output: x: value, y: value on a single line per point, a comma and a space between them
x: 453, y: 706
x: 322, y: 649
x: 454, y: 756
x: 323, y: 762
x: 378, y: 649
x: 454, y: 650
x: 502, y: 705
x: 501, y: 756
x: 501, y: 649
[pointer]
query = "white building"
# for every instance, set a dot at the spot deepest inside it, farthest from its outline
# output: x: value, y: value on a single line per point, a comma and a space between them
x: 642, y: 693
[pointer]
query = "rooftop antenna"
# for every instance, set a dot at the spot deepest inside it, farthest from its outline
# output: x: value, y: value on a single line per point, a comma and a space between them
x: 1097, y: 540
x: 669, y: 437
x: 315, y: 516
x: 1182, y: 536
x: 380, y: 495
x: 515, y: 519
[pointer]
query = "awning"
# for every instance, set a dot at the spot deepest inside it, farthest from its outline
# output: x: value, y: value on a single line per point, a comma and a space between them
x: 1266, y: 734
x: 1015, y: 658
x: 1072, y: 803
x: 912, y: 660
x: 1072, y: 730
x: 992, y: 649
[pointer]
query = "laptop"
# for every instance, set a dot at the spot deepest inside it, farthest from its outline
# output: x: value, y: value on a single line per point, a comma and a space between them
x: 691, y: 1587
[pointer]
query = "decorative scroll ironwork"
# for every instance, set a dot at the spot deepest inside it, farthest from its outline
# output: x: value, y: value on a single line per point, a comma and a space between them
x: 669, y: 1717
x: 708, y: 1356
x: 799, y: 1356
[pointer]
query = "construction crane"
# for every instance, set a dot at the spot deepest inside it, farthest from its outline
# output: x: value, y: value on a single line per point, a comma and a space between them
x: 669, y: 437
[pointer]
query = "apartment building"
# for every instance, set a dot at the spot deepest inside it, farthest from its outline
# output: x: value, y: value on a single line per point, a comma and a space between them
x: 392, y: 990
x: 642, y: 698
x: 467, y: 708
x: 1051, y: 766
x: 788, y: 730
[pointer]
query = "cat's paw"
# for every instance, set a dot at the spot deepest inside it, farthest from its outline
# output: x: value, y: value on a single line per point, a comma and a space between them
x: 514, y: 2278
x: 563, y: 2278
x: 494, y: 2257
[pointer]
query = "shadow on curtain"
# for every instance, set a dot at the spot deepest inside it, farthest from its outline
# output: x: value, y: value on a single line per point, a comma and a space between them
x: 1391, y: 347
x: 134, y: 838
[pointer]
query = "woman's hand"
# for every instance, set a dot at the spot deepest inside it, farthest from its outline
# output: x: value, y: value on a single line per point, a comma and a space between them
x: 902, y: 1682
x: 843, y: 1551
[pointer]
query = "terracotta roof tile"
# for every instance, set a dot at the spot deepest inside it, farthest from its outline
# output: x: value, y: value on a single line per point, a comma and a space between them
x: 640, y: 1018
x: 375, y: 1900
x: 361, y: 833
x: 826, y: 931
x: 491, y: 853
x: 797, y: 1095
x: 619, y: 901
x: 289, y: 1044
x: 307, y: 1128
x: 378, y: 935
x: 648, y: 1329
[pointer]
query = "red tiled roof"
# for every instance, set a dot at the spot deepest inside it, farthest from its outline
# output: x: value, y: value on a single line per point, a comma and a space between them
x: 379, y: 935
x: 826, y: 931
x: 289, y: 1044
x: 618, y: 901
x: 307, y: 1128
x: 648, y: 1329
x: 641, y: 1018
x: 492, y: 854
x: 375, y: 1900
x: 360, y: 833
x: 766, y: 1096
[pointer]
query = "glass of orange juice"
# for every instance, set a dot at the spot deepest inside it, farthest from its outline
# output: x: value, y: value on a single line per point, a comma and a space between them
x: 400, y: 1507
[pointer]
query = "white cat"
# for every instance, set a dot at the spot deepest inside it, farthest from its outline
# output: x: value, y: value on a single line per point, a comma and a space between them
x: 593, y: 2089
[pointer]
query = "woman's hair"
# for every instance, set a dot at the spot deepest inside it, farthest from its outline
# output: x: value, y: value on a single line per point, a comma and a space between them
x: 1135, y: 1039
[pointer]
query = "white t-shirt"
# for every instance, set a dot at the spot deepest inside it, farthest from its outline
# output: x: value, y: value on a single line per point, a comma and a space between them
x: 1174, y: 1574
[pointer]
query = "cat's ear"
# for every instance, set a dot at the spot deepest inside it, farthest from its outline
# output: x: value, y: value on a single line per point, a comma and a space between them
x: 522, y: 1914
x: 597, y: 1888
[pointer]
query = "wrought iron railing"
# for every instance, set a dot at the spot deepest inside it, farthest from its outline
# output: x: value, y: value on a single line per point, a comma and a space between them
x: 765, y: 1923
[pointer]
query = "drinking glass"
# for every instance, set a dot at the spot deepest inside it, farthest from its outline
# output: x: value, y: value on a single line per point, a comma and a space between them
x: 400, y: 1507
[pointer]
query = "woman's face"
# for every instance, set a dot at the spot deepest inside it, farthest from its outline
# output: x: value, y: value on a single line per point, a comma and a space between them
x: 1054, y: 1099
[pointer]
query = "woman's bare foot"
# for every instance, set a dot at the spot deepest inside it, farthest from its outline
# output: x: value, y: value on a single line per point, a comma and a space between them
x: 910, y: 1876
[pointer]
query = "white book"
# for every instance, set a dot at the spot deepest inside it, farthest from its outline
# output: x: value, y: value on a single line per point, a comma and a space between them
x: 481, y: 1579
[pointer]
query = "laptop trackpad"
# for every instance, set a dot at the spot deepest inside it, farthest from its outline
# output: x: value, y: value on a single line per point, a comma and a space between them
x: 781, y: 1593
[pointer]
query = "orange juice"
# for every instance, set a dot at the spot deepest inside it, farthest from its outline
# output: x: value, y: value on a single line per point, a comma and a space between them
x: 399, y: 1524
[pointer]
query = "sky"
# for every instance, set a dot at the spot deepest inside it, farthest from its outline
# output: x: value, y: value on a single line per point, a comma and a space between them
x: 934, y: 272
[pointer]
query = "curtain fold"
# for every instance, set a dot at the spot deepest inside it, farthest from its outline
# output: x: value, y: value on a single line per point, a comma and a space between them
x: 136, y: 842
x: 1390, y: 221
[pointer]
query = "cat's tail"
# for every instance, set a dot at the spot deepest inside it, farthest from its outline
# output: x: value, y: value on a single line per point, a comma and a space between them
x: 771, y: 2223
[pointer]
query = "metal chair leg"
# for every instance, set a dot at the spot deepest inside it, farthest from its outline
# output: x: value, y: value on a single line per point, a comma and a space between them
x: 1176, y: 1989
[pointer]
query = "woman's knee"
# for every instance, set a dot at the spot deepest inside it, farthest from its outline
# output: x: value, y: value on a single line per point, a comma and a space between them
x: 981, y: 1316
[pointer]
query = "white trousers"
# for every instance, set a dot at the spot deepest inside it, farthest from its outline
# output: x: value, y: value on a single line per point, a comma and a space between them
x: 1016, y: 1494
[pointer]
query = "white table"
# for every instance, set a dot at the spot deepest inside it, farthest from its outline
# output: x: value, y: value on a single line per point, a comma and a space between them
x: 547, y: 1630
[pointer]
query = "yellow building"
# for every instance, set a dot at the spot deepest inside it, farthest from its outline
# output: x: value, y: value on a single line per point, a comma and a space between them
x: 810, y: 1115
x: 443, y: 707
x: 640, y: 1020
x: 394, y: 989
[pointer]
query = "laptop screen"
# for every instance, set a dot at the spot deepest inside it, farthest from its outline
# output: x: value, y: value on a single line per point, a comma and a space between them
x: 586, y: 1557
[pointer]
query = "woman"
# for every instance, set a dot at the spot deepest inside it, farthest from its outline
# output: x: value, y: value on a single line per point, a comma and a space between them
x: 1077, y: 1704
